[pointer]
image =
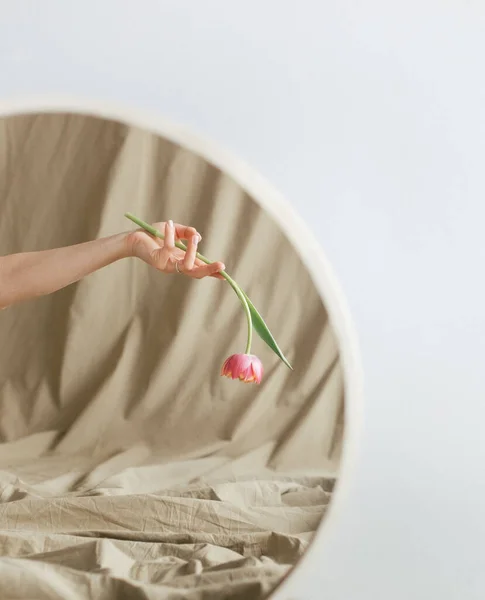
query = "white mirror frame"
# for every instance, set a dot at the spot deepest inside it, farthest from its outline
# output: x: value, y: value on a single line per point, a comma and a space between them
x: 311, y: 254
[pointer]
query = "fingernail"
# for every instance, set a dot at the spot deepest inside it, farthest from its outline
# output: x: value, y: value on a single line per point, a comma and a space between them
x: 195, y: 239
x: 223, y: 268
x: 170, y: 223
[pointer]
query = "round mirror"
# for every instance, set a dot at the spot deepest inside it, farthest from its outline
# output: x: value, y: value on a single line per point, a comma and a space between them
x: 127, y: 461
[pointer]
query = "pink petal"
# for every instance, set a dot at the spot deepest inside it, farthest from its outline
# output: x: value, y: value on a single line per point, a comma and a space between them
x: 257, y: 368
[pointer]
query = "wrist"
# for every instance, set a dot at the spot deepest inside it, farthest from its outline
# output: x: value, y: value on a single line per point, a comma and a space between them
x: 135, y: 244
x: 120, y: 246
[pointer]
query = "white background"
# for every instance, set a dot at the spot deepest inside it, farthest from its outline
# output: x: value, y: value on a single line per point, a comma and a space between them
x: 369, y: 117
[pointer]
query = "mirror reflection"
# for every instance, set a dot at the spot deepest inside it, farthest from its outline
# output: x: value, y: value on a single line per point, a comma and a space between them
x: 127, y: 461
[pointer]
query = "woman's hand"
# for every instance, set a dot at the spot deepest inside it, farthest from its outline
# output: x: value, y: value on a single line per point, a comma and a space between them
x: 164, y: 256
x: 32, y: 274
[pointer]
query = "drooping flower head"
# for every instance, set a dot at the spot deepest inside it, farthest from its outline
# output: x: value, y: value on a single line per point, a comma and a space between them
x: 245, y: 367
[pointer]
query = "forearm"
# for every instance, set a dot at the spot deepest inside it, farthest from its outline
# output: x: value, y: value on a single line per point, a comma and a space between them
x: 33, y: 274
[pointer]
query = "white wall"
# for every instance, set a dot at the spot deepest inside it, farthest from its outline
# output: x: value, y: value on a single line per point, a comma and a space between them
x: 370, y: 117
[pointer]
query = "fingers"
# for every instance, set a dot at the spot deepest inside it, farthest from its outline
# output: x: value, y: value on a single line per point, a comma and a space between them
x: 166, y: 256
x: 186, y: 233
x: 182, y: 232
x: 169, y: 242
x: 217, y: 275
x: 190, y: 254
x: 193, y: 267
x: 208, y: 270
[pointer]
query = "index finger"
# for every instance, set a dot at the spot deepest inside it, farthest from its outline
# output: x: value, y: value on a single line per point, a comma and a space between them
x: 184, y: 232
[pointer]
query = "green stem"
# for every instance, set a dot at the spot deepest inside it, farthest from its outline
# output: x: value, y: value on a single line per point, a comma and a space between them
x: 229, y: 279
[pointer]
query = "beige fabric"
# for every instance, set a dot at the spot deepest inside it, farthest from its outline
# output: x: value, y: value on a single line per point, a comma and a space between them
x: 128, y: 466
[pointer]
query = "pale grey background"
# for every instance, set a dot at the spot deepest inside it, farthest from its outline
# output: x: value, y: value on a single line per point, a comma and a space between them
x: 370, y: 118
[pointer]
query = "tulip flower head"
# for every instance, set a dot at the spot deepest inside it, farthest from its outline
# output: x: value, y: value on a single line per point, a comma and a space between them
x: 245, y: 367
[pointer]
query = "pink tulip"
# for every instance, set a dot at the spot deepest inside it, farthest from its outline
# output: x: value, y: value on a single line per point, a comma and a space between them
x: 245, y: 367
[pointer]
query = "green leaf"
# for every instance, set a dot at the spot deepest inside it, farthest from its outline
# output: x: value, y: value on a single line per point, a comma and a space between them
x: 263, y: 331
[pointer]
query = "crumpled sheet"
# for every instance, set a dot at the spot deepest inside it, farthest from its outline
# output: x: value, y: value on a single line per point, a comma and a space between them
x: 129, y: 526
